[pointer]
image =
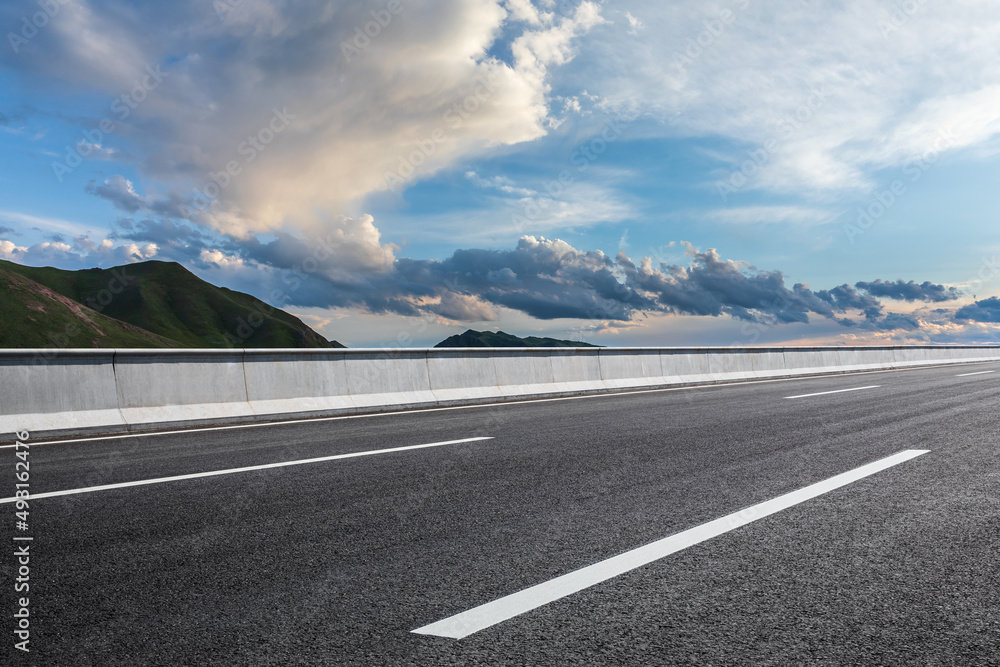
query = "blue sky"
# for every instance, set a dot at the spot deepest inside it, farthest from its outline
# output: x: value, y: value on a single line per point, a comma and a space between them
x: 628, y: 173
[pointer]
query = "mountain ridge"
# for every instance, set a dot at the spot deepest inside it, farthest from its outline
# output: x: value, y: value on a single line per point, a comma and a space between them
x: 163, y: 304
x: 471, y: 338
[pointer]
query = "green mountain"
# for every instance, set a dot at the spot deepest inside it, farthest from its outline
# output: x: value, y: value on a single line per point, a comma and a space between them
x: 162, y: 300
x: 34, y: 316
x: 500, y: 339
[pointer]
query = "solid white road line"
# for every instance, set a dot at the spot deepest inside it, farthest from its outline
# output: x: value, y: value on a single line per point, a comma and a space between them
x: 484, y: 616
x: 839, y: 391
x: 230, y: 471
x: 965, y: 375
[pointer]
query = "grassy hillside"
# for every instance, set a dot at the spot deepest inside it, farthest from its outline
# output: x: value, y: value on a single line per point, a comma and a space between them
x: 501, y: 339
x: 169, y: 301
x: 32, y: 315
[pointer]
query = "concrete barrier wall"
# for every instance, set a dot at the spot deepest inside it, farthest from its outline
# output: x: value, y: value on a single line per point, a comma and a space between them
x: 173, y: 387
x: 462, y: 374
x: 630, y: 368
x: 523, y: 373
x: 282, y: 382
x: 681, y: 366
x: 578, y: 371
x: 768, y: 363
x: 731, y: 365
x: 388, y: 379
x: 65, y: 392
x: 71, y: 390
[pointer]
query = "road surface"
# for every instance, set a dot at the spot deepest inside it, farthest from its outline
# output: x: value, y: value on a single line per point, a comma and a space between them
x: 338, y: 561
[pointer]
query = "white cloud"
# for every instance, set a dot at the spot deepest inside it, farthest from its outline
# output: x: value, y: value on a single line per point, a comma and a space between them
x: 357, y: 246
x: 517, y: 210
x: 95, y: 48
x: 831, y: 90
x: 82, y: 253
x: 97, y: 151
x: 221, y: 260
x: 634, y: 24
x: 11, y: 252
x: 351, y: 109
x: 464, y: 308
x: 753, y: 215
x: 523, y: 10
x: 286, y: 116
x: 501, y: 183
x: 572, y: 104
x: 535, y: 51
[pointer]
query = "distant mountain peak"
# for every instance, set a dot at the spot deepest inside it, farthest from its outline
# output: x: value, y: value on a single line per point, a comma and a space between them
x: 471, y: 338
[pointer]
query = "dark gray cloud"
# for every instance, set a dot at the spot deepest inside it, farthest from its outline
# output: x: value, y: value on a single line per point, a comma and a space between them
x: 119, y: 191
x: 985, y: 310
x: 713, y: 286
x: 845, y: 297
x: 8, y: 230
x: 909, y: 291
x: 549, y: 279
x: 893, y: 321
x: 176, y: 240
x: 545, y: 279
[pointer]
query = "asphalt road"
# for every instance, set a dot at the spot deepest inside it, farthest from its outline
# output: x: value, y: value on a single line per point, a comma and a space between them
x: 337, y: 562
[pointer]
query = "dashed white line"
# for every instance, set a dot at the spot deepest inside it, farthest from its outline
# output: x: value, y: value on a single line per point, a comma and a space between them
x: 230, y: 471
x: 484, y: 616
x: 838, y: 391
x: 965, y: 375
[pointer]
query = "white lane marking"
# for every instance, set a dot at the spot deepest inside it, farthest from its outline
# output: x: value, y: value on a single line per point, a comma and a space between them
x: 476, y: 619
x: 965, y: 375
x: 230, y: 471
x: 838, y: 391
